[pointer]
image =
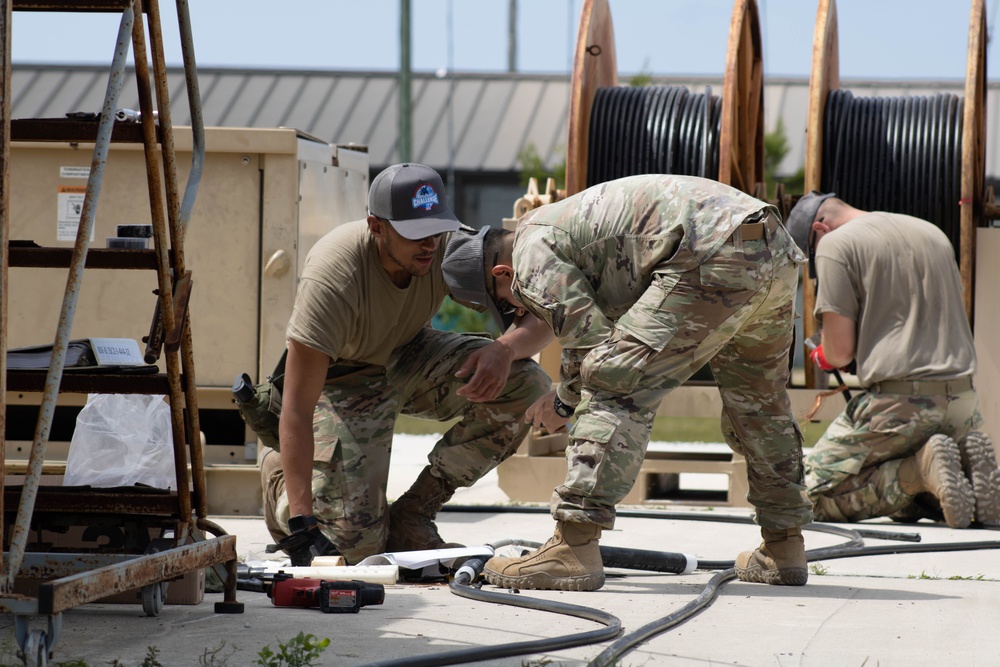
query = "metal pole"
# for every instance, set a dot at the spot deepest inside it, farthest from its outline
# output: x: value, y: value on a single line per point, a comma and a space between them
x: 570, y: 45
x: 451, y: 105
x: 512, y: 36
x: 405, y: 129
x: 5, y: 89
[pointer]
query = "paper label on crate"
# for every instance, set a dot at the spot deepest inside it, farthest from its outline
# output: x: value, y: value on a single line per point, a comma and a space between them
x: 70, y: 208
x: 74, y: 172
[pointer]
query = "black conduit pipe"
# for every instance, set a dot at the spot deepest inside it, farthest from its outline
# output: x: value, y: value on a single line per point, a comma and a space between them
x: 460, y: 586
x: 609, y: 656
x: 624, y: 558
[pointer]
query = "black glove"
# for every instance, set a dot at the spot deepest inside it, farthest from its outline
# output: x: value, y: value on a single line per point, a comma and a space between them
x: 305, y: 542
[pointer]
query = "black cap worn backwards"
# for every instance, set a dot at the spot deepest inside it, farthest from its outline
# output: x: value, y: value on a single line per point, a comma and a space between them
x: 464, y: 269
x: 802, y: 215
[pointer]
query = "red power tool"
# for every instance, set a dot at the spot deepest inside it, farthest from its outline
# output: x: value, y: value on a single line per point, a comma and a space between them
x: 332, y: 597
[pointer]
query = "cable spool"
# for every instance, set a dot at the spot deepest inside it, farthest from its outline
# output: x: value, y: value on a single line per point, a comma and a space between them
x: 620, y: 131
x: 903, y: 154
x: 896, y: 154
x: 653, y: 130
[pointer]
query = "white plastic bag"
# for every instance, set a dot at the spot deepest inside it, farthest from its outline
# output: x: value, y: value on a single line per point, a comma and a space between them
x: 122, y: 440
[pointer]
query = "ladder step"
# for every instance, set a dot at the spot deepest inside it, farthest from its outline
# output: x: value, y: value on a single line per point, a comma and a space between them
x: 97, y: 258
x: 142, y: 382
x: 74, y: 130
x: 70, y: 5
x: 130, y: 500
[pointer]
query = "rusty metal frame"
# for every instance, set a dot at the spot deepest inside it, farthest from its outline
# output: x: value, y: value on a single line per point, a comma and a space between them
x: 50, y: 393
x: 85, y: 578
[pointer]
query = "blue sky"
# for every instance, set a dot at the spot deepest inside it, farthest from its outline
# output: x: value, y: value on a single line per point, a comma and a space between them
x: 883, y: 39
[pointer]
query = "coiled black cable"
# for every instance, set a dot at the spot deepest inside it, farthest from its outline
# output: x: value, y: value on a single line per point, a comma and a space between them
x: 613, y: 627
x: 653, y: 130
x: 896, y: 154
x: 610, y: 655
x: 672, y: 562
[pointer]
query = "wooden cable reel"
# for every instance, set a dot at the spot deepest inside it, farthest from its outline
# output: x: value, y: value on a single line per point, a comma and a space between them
x: 594, y: 66
x: 922, y: 156
x: 737, y: 125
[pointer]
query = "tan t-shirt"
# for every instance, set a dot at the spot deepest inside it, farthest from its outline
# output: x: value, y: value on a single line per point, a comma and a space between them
x: 896, y: 276
x: 346, y: 305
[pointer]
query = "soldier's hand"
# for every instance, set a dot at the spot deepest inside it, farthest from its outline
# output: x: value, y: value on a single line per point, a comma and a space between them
x: 305, y: 542
x: 490, y: 367
x: 542, y: 413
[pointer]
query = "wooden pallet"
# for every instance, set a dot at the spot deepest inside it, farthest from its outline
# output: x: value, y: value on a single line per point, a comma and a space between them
x: 531, y: 477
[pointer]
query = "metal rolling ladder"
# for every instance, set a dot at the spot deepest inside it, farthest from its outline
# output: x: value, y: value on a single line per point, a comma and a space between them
x: 181, y: 515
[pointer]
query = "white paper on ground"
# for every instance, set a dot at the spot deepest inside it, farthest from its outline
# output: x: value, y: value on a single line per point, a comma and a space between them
x: 385, y: 574
x: 414, y: 560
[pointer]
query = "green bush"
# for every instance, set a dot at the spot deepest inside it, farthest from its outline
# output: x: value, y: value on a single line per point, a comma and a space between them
x: 300, y: 651
x: 455, y: 317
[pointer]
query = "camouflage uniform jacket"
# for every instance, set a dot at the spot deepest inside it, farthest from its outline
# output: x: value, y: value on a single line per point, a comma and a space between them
x: 583, y: 263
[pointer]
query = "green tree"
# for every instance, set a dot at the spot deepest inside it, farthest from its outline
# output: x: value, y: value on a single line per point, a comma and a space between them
x: 643, y: 78
x: 775, y: 149
x: 533, y: 166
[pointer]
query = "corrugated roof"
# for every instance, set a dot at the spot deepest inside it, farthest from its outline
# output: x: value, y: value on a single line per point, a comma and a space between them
x: 492, y: 117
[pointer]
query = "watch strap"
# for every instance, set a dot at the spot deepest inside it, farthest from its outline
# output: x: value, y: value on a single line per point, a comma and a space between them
x: 561, y: 409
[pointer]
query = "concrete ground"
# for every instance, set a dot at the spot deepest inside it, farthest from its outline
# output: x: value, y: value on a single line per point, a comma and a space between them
x: 936, y: 608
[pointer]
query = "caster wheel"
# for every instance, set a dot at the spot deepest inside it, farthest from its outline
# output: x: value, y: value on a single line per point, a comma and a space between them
x: 152, y: 598
x: 36, y: 653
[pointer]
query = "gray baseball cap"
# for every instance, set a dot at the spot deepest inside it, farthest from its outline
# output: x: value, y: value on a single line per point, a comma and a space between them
x: 412, y: 197
x: 464, y: 269
x: 802, y: 215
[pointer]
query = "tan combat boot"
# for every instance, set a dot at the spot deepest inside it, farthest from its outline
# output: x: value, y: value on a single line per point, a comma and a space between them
x: 780, y: 560
x: 936, y: 468
x: 411, y: 517
x: 569, y: 561
x: 979, y: 462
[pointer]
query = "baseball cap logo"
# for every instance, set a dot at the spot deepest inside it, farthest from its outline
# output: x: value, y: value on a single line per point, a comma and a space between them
x: 425, y: 198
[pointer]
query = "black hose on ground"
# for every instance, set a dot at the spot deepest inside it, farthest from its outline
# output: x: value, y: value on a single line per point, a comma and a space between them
x: 609, y: 656
x: 460, y: 586
x: 650, y: 561
x: 614, y: 557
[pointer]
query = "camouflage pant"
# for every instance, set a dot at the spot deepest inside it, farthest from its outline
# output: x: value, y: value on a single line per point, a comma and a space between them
x: 735, y: 312
x: 353, y: 427
x: 852, y: 472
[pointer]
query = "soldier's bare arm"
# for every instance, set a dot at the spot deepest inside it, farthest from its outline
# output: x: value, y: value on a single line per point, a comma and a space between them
x: 490, y: 365
x: 305, y: 374
x: 839, y: 339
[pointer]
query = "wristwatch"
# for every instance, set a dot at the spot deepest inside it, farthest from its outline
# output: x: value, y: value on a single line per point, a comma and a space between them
x: 563, y: 410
